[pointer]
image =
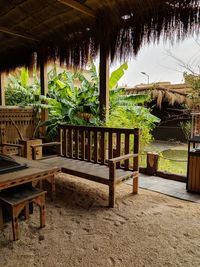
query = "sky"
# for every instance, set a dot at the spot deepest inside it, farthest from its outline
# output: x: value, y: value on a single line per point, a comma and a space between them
x: 157, y: 61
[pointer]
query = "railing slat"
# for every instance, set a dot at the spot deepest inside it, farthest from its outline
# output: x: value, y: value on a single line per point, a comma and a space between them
x: 83, y: 145
x: 76, y: 137
x: 65, y: 142
x: 102, y: 148
x: 89, y: 146
x: 70, y: 143
x: 110, y: 147
x: 95, y: 146
x: 127, y: 149
x: 118, y: 149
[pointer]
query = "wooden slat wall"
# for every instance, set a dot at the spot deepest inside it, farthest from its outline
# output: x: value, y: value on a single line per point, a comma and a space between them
x: 98, y: 144
x: 24, y: 118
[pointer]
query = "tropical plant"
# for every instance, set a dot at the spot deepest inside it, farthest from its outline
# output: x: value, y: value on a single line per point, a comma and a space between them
x: 72, y: 104
x: 19, y: 91
x: 69, y: 103
x: 74, y: 99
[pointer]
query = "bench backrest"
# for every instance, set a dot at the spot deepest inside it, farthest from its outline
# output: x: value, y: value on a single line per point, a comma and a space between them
x: 98, y: 144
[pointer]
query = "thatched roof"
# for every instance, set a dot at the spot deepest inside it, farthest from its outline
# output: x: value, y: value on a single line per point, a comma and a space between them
x: 172, y: 94
x: 73, y: 30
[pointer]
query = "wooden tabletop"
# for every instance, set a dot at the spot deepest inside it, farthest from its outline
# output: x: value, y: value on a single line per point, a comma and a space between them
x: 36, y: 171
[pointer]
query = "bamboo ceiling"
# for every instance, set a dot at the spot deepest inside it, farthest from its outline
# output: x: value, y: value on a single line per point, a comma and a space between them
x: 72, y: 31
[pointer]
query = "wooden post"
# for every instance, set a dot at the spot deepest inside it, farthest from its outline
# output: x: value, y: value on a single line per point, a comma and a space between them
x: 104, y: 83
x: 44, y: 87
x: 2, y: 91
x: 152, y: 163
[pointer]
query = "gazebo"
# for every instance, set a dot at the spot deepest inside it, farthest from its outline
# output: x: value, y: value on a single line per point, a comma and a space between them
x: 73, y: 31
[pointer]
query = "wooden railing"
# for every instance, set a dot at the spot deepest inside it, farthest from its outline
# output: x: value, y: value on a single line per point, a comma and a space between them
x: 99, y: 144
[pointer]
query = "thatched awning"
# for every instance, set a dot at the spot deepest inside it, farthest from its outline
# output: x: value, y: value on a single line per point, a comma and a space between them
x: 172, y: 94
x: 72, y: 31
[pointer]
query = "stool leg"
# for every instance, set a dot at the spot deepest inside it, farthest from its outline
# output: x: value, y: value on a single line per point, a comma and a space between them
x: 53, y: 188
x: 1, y: 218
x: 27, y: 211
x: 15, y: 224
x: 42, y: 211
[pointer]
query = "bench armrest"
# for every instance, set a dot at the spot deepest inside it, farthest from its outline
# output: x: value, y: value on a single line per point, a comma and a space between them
x: 34, y: 147
x: 47, y: 144
x: 124, y: 157
x: 112, y: 163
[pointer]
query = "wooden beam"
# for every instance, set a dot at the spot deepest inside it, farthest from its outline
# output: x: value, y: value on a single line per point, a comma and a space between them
x: 17, y: 34
x: 78, y: 6
x: 2, y: 91
x: 104, y: 83
x: 44, y: 87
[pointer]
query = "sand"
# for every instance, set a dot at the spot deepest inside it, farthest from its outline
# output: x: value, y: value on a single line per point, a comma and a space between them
x: 148, y: 229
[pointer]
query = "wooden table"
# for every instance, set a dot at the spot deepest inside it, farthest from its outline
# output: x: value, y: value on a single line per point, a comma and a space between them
x: 36, y: 171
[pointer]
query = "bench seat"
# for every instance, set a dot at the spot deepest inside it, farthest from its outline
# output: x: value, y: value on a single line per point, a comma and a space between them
x: 88, y: 170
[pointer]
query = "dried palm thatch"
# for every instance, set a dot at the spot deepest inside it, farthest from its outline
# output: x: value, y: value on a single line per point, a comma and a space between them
x: 161, y: 95
x: 172, y: 98
x: 30, y: 30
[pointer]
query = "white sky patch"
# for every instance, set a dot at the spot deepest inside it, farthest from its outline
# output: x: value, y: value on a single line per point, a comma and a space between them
x: 156, y: 61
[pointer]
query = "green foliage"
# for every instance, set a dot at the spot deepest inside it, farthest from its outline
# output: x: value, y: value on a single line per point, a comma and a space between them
x: 18, y: 90
x: 194, y: 81
x: 186, y: 128
x: 117, y: 75
x: 74, y: 99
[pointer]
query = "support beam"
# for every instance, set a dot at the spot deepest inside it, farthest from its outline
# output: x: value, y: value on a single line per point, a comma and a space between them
x: 104, y: 83
x: 43, y: 77
x: 78, y: 6
x: 44, y: 87
x: 2, y: 91
x: 17, y: 34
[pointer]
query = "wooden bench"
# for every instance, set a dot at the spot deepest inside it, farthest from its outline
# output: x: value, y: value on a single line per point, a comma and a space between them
x: 15, y: 200
x: 101, y: 154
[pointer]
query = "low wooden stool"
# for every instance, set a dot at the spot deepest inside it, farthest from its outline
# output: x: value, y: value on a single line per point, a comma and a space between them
x: 17, y: 200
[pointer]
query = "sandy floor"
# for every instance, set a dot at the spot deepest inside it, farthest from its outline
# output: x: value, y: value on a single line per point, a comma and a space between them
x: 147, y: 229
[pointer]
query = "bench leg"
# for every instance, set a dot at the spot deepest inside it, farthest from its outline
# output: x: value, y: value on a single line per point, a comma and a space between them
x: 112, y: 195
x: 135, y: 185
x: 1, y: 218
